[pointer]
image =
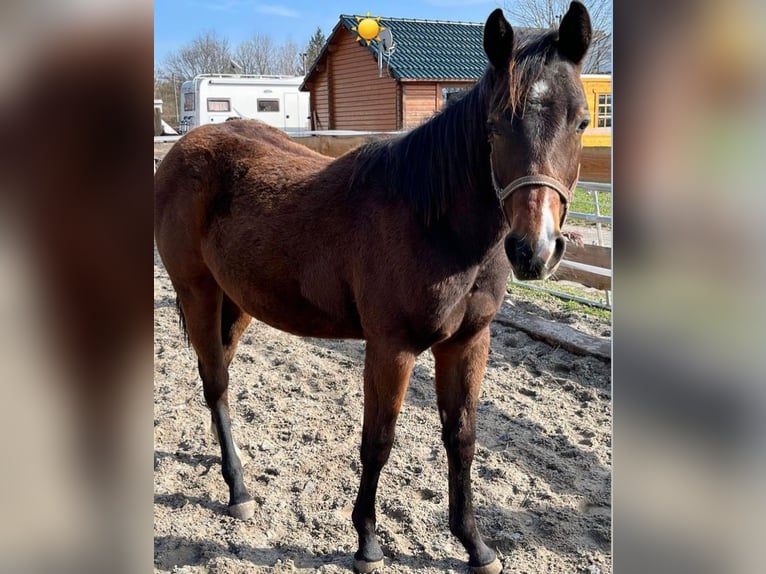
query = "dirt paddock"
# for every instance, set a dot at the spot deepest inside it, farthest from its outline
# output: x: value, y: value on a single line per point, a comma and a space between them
x: 541, y: 474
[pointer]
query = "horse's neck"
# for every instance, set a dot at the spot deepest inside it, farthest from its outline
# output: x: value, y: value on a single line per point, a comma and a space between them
x: 476, y: 224
x: 474, y: 216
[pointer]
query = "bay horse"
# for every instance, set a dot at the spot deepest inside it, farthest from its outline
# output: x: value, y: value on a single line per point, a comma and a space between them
x: 402, y: 243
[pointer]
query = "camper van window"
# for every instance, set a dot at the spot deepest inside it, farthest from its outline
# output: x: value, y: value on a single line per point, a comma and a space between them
x: 188, y: 102
x: 268, y: 105
x: 219, y: 105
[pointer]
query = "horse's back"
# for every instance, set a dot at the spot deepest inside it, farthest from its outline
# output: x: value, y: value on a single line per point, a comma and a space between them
x: 215, y: 164
x: 206, y: 155
x: 241, y: 203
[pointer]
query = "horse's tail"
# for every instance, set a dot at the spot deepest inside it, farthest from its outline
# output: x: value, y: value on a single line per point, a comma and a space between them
x: 182, y: 320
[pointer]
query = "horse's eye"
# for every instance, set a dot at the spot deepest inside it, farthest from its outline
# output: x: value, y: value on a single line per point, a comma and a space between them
x: 508, y: 115
x: 583, y: 124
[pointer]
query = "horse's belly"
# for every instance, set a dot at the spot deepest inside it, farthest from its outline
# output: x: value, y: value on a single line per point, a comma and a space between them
x: 295, y: 314
x: 271, y: 280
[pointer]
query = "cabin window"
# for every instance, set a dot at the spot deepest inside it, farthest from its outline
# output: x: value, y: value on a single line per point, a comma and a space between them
x: 218, y: 105
x: 268, y: 105
x: 604, y: 111
x: 189, y: 102
x: 450, y: 94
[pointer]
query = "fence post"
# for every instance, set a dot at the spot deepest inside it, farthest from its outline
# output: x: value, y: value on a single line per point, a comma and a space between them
x: 598, y: 215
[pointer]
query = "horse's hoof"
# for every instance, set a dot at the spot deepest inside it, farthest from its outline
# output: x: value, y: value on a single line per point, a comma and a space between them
x: 364, y: 567
x: 494, y: 567
x: 243, y: 510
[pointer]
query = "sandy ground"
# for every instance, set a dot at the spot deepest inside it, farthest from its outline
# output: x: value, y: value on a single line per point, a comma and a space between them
x: 541, y: 475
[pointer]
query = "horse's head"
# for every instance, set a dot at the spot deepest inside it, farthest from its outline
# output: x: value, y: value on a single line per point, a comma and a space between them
x: 537, y: 116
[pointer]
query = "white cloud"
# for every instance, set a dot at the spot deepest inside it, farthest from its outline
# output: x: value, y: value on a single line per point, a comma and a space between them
x: 276, y: 10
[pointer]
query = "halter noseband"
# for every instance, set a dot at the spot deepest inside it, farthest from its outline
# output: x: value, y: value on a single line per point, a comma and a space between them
x: 504, y: 193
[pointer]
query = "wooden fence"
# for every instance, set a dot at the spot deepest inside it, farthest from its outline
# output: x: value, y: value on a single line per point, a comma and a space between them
x: 589, y: 265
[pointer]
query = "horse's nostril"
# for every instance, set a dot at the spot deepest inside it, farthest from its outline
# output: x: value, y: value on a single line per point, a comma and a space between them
x: 516, y: 248
x: 558, y: 251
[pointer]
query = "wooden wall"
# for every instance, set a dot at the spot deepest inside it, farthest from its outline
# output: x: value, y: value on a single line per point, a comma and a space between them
x: 363, y: 101
x: 336, y: 146
x: 419, y: 101
x: 422, y: 99
x: 320, y: 105
x: 347, y: 93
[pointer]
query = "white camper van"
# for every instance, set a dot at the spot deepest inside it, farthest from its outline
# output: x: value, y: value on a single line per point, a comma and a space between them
x: 214, y: 98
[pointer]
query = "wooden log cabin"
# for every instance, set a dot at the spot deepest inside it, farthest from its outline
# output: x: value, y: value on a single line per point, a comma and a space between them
x: 354, y: 88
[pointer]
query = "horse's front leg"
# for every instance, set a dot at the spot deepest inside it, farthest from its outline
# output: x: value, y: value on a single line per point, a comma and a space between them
x: 459, y: 370
x: 386, y: 375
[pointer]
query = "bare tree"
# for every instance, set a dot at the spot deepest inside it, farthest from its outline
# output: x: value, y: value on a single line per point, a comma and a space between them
x: 548, y: 14
x: 206, y: 54
x: 288, y: 59
x: 260, y: 55
x: 257, y: 55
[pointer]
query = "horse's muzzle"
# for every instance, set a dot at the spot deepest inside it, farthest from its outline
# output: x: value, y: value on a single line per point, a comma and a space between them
x: 534, y: 261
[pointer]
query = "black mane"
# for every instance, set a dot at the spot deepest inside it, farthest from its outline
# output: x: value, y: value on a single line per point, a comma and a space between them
x: 449, y: 153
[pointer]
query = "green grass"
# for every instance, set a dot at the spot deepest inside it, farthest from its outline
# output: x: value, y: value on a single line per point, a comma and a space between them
x: 583, y: 202
x: 565, y: 305
x: 575, y: 307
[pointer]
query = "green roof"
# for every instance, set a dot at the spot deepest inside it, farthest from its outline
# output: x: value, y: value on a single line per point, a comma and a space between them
x: 427, y: 49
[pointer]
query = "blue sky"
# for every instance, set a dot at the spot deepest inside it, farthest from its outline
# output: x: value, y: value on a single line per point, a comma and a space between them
x: 176, y: 22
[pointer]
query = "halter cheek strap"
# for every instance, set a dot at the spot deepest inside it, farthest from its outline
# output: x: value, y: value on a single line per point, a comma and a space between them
x: 504, y: 193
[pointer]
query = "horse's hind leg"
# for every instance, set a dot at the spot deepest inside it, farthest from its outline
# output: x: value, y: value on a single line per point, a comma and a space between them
x: 459, y: 370
x: 234, y: 321
x: 386, y: 375
x: 202, y: 305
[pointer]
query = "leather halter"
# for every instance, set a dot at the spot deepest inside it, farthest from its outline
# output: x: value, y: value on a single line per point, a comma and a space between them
x: 504, y: 193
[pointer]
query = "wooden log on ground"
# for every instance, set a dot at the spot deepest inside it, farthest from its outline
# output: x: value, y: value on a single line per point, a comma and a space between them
x: 556, y: 334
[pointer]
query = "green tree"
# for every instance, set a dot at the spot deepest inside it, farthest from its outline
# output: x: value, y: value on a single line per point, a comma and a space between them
x: 313, y: 48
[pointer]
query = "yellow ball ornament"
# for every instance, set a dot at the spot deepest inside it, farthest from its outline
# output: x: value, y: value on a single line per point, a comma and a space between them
x: 368, y: 28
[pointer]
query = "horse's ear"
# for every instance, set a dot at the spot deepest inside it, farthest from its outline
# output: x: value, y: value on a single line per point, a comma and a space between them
x: 575, y: 33
x: 498, y: 40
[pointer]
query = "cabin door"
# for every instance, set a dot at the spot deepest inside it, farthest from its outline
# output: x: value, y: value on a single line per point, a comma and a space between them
x: 292, y: 114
